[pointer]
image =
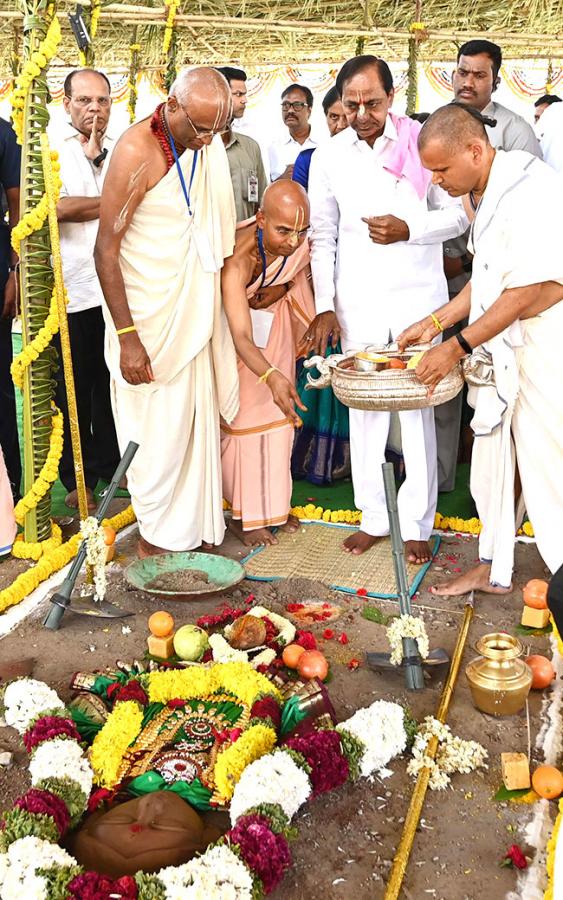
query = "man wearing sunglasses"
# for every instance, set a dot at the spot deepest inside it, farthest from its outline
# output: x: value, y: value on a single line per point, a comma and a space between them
x: 296, y: 107
x: 167, y: 222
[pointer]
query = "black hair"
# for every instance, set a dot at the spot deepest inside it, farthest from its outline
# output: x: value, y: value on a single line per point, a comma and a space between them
x: 474, y: 48
x: 359, y: 64
x: 232, y: 74
x: 67, y: 86
x: 547, y: 100
x: 329, y: 99
x: 304, y: 90
x: 419, y: 117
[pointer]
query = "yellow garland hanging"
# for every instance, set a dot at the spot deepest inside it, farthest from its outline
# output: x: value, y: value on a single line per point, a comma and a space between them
x: 34, y: 219
x: 46, y: 477
x: 169, y: 27
x: 33, y: 67
x: 96, y: 9
x: 52, y: 561
x: 36, y: 346
x: 231, y: 762
x: 36, y: 549
x: 120, y: 729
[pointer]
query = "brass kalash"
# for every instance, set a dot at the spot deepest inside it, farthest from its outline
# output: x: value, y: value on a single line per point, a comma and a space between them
x: 499, y: 680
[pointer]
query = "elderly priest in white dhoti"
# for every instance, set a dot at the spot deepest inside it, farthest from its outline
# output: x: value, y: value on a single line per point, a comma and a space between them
x: 167, y: 222
x: 514, y: 334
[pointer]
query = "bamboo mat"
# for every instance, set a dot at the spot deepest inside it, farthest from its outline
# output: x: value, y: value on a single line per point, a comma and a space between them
x: 315, y: 552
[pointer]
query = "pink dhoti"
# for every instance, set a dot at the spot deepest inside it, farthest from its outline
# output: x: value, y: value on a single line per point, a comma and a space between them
x: 256, y: 447
x: 8, y: 525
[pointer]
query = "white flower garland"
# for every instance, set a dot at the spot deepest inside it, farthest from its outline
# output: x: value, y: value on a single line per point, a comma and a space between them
x: 274, y: 778
x: 285, y: 628
x: 96, y: 553
x: 453, y: 754
x: 407, y: 627
x: 18, y: 880
x: 61, y: 758
x: 380, y: 727
x: 217, y: 875
x: 223, y: 653
x: 26, y: 699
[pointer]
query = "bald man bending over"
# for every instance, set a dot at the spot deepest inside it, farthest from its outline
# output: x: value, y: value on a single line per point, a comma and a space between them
x: 515, y: 325
x: 269, y: 303
x: 167, y: 222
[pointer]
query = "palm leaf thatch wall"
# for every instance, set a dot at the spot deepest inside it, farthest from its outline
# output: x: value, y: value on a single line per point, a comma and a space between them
x: 287, y: 31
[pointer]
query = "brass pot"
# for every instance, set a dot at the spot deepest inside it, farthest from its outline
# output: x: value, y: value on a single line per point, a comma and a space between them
x: 499, y: 680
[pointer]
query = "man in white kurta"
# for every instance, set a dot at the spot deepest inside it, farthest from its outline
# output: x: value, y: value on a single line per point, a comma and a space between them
x: 167, y: 222
x: 515, y: 326
x: 376, y: 258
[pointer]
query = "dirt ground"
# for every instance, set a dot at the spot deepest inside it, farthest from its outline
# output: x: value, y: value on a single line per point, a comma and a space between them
x: 347, y: 839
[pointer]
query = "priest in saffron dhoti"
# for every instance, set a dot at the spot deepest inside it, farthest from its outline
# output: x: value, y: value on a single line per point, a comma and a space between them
x: 267, y: 295
x: 167, y: 222
x: 514, y: 335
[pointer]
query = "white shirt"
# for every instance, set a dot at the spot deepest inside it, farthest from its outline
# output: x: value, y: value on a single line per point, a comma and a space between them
x: 511, y: 132
x: 283, y: 153
x: 80, y: 178
x: 550, y: 131
x: 375, y: 289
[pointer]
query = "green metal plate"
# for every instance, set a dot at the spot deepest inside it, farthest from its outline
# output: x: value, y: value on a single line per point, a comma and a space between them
x: 223, y: 573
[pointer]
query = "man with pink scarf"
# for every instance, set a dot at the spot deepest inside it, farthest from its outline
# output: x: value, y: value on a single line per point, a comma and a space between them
x: 269, y: 304
x: 378, y: 226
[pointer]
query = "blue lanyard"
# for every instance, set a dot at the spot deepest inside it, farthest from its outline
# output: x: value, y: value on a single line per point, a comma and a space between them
x: 181, y: 174
x: 263, y: 258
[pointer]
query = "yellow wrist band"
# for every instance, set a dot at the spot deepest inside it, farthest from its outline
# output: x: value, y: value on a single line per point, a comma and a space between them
x: 436, y: 322
x: 126, y: 330
x: 263, y: 378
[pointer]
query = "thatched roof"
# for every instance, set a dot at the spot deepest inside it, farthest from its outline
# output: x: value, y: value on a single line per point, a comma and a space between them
x: 289, y: 31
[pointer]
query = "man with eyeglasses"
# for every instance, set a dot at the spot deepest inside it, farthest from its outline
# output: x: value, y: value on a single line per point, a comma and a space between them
x: 243, y: 152
x: 376, y: 256
x: 296, y: 107
x: 269, y: 302
x: 83, y: 144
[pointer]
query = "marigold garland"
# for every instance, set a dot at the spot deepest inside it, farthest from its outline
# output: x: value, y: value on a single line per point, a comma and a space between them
x: 47, y: 476
x: 558, y: 827
x: 52, y: 561
x: 121, y: 728
x: 172, y: 6
x: 33, y: 67
x: 235, y: 678
x: 231, y: 763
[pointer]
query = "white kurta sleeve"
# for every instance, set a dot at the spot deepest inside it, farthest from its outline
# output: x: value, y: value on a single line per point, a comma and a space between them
x: 325, y: 217
x: 444, y: 218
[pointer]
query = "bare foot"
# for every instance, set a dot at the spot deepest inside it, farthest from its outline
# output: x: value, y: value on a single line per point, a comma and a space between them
x: 476, y: 579
x: 292, y: 525
x: 359, y: 542
x: 71, y: 500
x: 144, y: 549
x: 418, y: 552
x: 258, y: 537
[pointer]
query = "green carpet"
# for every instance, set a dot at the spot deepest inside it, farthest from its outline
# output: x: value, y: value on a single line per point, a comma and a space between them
x: 339, y: 495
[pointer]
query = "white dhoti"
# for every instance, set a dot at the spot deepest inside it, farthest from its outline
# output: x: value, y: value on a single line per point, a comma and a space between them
x: 418, y: 495
x: 519, y: 416
x: 171, y: 265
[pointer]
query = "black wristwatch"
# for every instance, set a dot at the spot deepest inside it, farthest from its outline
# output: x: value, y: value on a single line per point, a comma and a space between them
x: 99, y: 159
x: 465, y: 345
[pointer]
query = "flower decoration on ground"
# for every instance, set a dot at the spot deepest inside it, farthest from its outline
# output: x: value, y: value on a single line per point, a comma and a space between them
x: 248, y: 861
x: 406, y: 627
x: 453, y: 754
x: 96, y: 552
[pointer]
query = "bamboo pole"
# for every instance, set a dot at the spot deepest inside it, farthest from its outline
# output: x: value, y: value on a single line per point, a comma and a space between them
x: 419, y: 793
x: 64, y: 335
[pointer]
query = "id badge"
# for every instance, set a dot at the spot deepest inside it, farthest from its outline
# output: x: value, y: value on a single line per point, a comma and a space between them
x: 253, y: 188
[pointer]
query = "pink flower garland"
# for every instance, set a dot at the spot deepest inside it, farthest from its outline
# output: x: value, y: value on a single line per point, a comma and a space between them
x: 323, y: 752
x: 92, y: 886
x: 47, y: 728
x: 267, y: 708
x: 44, y: 803
x: 265, y: 853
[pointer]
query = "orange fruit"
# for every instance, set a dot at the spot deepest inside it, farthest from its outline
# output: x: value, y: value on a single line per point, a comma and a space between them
x: 109, y: 535
x: 535, y: 594
x: 161, y: 623
x: 291, y: 655
x: 543, y: 672
x: 397, y: 364
x: 547, y: 781
x: 312, y: 664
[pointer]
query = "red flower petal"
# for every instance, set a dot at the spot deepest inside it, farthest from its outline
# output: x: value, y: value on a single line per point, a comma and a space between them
x: 362, y: 592
x: 328, y: 634
x: 354, y: 664
x: 343, y: 638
